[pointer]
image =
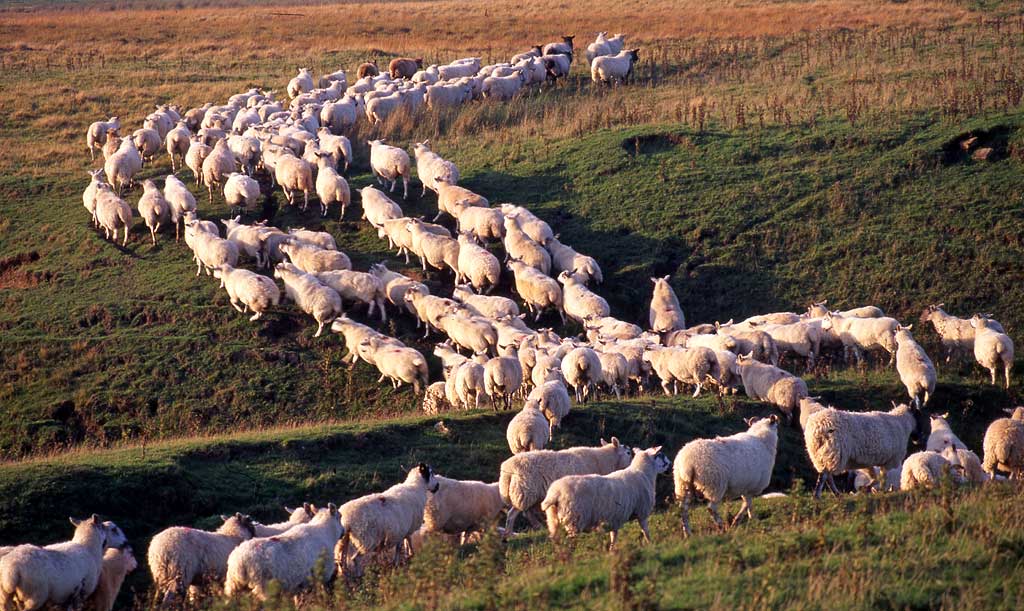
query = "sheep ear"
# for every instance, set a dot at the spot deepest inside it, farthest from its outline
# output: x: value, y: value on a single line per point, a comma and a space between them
x: 1008, y: 410
x: 654, y: 280
x: 909, y: 327
x: 749, y: 421
x: 603, y: 443
x: 944, y: 416
x: 224, y: 518
x: 74, y: 522
x: 654, y: 450
x: 288, y: 509
x: 615, y: 441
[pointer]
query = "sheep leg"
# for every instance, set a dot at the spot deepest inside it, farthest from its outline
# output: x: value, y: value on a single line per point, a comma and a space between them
x: 664, y: 386
x: 643, y: 529
x: 820, y: 485
x: 612, y: 535
x: 380, y: 379
x: 696, y: 393
x: 510, y: 521
x: 832, y: 484
x: 713, y: 508
x: 687, y: 499
x: 744, y: 509
x: 235, y: 305
x: 305, y: 200
x: 1006, y: 371
x: 993, y: 372
x: 319, y: 328
x: 405, y: 181
x: 256, y: 316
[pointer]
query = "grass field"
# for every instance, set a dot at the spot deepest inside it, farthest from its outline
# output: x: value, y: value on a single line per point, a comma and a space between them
x: 769, y: 154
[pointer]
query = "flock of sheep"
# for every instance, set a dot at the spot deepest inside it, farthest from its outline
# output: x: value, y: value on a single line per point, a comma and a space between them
x: 577, y: 489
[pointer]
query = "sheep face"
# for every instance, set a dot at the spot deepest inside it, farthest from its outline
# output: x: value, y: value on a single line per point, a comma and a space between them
x: 931, y: 312
x: 428, y: 476
x: 922, y: 426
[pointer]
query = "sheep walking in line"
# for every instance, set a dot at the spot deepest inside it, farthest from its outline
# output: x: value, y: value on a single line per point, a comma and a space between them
x: 726, y: 467
x: 528, y: 430
x: 993, y: 349
x: 389, y: 163
x: 580, y: 503
x: 153, y: 208
x: 253, y: 291
x: 462, y: 507
x: 96, y: 136
x: 321, y: 302
x: 957, y: 334
x: 915, y: 368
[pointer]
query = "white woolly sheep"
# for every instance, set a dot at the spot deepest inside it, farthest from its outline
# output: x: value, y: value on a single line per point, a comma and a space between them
x: 59, y: 574
x: 180, y: 557
x: 217, y: 166
x: 1003, y: 445
x: 292, y: 559
x: 492, y: 307
x: 117, y: 563
x: 957, y: 334
x: 580, y: 503
x: 537, y: 290
x: 386, y: 520
x: 695, y: 366
x: 428, y: 308
x: 396, y: 285
x: 666, y: 314
x: 431, y: 167
x: 839, y: 441
x: 992, y: 348
x: 434, y: 250
x: 153, y: 208
x: 483, y: 223
x: 113, y: 213
x: 536, y: 229
x: 552, y: 398
x: 300, y: 515
x: 477, y: 265
x: 526, y: 477
x: 397, y: 363
x: 96, y: 136
x: 97, y: 182
x: 321, y: 302
x: 241, y: 191
x: 769, y: 383
x: 123, y: 165
x: 462, y: 507
x: 181, y: 201
x: 197, y: 153
x: 520, y: 247
x: 300, y: 84
x: 966, y: 465
x: 389, y: 163
x: 472, y: 333
x: 503, y: 375
x: 942, y: 435
x: 802, y: 338
x: 614, y: 372
x: 294, y: 174
x: 360, y: 287
x: 579, y: 302
x: 611, y: 69
x: 452, y: 199
x: 924, y: 470
x: 915, y: 368
x: 862, y: 334
x: 581, y: 368
x: 528, y: 430
x: 211, y: 251
x: 313, y: 259
x: 253, y: 291
x: 194, y: 226
x: 819, y: 310
x: 726, y: 467
x: 148, y: 142
x: 757, y: 343
x: 556, y: 66
x: 565, y: 259
x: 378, y: 207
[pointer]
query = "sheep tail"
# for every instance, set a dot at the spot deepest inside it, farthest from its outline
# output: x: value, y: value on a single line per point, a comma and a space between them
x: 825, y: 449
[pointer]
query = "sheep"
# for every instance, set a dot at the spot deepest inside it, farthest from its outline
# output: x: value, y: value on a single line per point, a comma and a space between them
x: 552, y: 398
x: 565, y: 259
x: 194, y: 227
x: 503, y: 87
x: 535, y: 51
x: 294, y: 174
x: 300, y: 515
x: 609, y: 69
x: 581, y: 368
x: 992, y: 348
x: 117, y: 563
x: 915, y: 368
x: 839, y: 441
x: 924, y: 470
x: 379, y: 108
x: 526, y: 477
x: 292, y: 559
x: 435, y: 400
x: 337, y: 76
x: 614, y: 372
x: 477, y: 265
x: 396, y: 285
x: 561, y: 48
x: 241, y: 191
x: 338, y: 146
x: 957, y: 334
x: 452, y: 199
x: 153, y: 208
x: 211, y: 251
x: 547, y: 368
x: 404, y: 67
x: 197, y: 153
x: 537, y: 290
x: 458, y: 69
x: 96, y: 135
x: 666, y: 314
x: 598, y: 48
x: 112, y: 144
x: 808, y: 406
x: 378, y: 207
x: 148, y: 142
x: 319, y: 301
x: 608, y: 327
x: 726, y: 467
x: 60, y: 574
x: 942, y: 435
x: 113, y: 213
x: 802, y: 338
x: 180, y: 558
x: 312, y: 259
x: 688, y: 365
x: 556, y: 66
x: 97, y: 182
x: 757, y: 343
x: 249, y: 239
x: 966, y: 465
x: 331, y: 188
x: 461, y: 507
x: 180, y: 200
x: 579, y: 302
x: 519, y: 246
x: 397, y: 363
x: 580, y: 503
x: 361, y: 287
x: 769, y: 383
x: 468, y: 383
x: 431, y: 167
x: 301, y: 83
x: 474, y: 334
x: 428, y: 308
x: 1003, y: 445
x: 447, y: 95
x: 254, y: 291
x: 491, y: 307
x: 819, y: 310
x: 861, y: 334
x: 437, y: 251
x: 503, y: 375
x: 123, y: 165
x: 615, y: 43
x: 366, y: 69
x: 386, y: 520
x: 389, y: 163
x: 528, y: 430
x: 482, y: 223
x: 536, y: 229
x: 248, y: 151
x: 773, y: 318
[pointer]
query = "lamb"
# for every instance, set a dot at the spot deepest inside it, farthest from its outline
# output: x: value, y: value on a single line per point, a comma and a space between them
x: 180, y: 558
x: 397, y: 363
x: 452, y: 199
x: 1003, y: 446
x: 431, y: 167
x: 477, y: 265
x: 113, y: 213
x: 552, y: 398
x: 153, y: 208
x: 437, y: 251
x: 386, y: 520
x: 312, y: 259
x: 537, y: 290
x: 966, y: 465
x: 123, y: 165
x: 302, y: 83
x: 861, y: 334
x: 839, y: 441
x: 688, y: 365
x: 526, y: 477
x: 361, y: 287
x: 197, y: 153
x: 96, y: 135
x: 666, y: 313
x: 294, y: 174
x: 241, y: 191
x: 210, y: 251
x: 503, y: 375
x: 528, y: 430
x: 254, y: 291
x: 992, y: 348
x: 520, y: 247
x: 291, y: 558
x: 565, y: 259
x: 581, y: 368
x: 483, y: 223
x: 194, y: 227
x: 117, y: 563
x: 60, y: 574
x: 404, y: 67
x: 319, y: 301
x: 483, y: 305
x: 726, y: 467
x: 536, y: 229
x: 300, y: 515
x: 461, y: 507
x: 769, y: 383
x: 96, y: 183
x: 389, y: 163
x: 924, y: 470
x: 915, y: 368
x: 378, y: 207
x: 942, y: 435
x: 957, y: 334
x: 579, y: 302
x: 611, y: 69
x: 181, y: 201
x: 581, y: 503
